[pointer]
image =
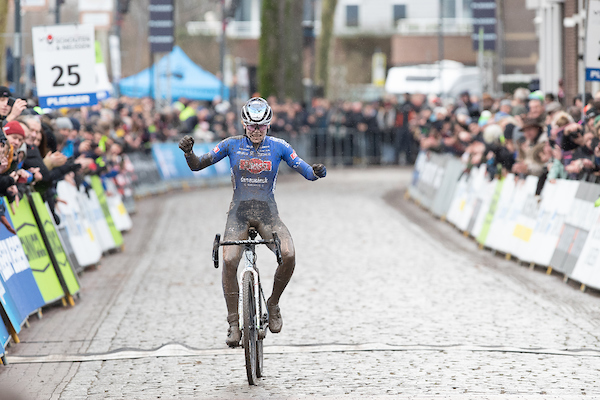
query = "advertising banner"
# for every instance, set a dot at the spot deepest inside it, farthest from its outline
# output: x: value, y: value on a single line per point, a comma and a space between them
x: 474, y: 203
x: 516, y: 230
x: 90, y: 206
x: 116, y: 207
x: 499, y: 226
x: 547, y: 227
x: 64, y: 266
x: 445, y: 193
x: 65, y: 65
x: 431, y: 178
x: 526, y: 221
x: 485, y: 196
x: 587, y: 268
x: 35, y: 250
x: 578, y: 223
x: 99, y: 190
x: 17, y: 278
x: 413, y: 189
x: 86, y: 247
x: 563, y: 232
x: 4, y: 336
x: 8, y: 308
x: 458, y: 199
x: 491, y: 206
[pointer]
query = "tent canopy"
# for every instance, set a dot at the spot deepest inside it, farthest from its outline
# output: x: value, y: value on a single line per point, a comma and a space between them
x: 187, y: 80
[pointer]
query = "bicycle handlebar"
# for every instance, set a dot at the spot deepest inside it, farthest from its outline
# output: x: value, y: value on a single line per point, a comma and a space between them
x: 217, y: 243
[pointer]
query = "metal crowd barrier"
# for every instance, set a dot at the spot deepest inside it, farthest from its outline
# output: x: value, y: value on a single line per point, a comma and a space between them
x: 341, y: 146
x: 559, y: 229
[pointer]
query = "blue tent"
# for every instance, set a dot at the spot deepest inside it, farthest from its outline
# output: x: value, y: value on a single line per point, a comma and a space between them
x: 187, y: 80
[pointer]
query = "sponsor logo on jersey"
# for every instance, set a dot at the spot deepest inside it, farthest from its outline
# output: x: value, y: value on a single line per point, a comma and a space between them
x: 255, y: 165
x: 253, y: 180
x: 294, y: 155
x: 216, y: 149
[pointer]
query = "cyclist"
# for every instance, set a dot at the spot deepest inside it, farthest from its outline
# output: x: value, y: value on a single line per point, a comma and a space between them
x: 254, y: 159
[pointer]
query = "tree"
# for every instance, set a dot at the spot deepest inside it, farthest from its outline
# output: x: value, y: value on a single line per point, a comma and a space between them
x: 293, y: 49
x: 3, y: 20
x: 327, y: 14
x: 280, y: 49
x: 268, y: 62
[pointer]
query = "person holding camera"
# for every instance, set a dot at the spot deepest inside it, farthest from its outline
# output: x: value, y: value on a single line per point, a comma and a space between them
x: 10, y: 108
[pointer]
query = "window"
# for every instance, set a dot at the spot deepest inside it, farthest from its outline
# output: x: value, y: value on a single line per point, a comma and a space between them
x: 399, y: 12
x: 351, y: 15
x: 449, y: 9
x: 466, y: 11
x: 242, y: 13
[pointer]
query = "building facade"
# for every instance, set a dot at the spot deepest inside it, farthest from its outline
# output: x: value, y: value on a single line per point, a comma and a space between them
x: 407, y: 31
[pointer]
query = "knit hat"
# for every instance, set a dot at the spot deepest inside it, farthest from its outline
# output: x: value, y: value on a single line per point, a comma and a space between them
x: 4, y: 91
x: 484, y: 117
x: 64, y: 123
x: 553, y: 107
x: 76, y: 123
x: 537, y: 95
x: 492, y: 134
x: 13, y: 128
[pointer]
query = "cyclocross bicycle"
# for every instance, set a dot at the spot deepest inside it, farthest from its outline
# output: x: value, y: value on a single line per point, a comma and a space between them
x: 253, y: 311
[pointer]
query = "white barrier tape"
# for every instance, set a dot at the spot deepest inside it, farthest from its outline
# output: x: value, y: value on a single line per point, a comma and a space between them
x: 179, y: 350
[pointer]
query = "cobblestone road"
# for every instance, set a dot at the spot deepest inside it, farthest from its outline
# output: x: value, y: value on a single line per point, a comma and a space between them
x: 371, y: 269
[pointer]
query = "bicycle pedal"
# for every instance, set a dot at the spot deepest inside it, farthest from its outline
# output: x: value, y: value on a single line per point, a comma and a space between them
x: 262, y: 333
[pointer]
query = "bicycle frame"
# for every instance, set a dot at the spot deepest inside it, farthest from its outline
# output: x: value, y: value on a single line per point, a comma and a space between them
x: 253, y: 322
x: 249, y: 256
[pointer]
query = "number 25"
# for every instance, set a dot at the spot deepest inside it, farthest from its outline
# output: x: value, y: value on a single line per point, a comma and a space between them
x: 70, y: 72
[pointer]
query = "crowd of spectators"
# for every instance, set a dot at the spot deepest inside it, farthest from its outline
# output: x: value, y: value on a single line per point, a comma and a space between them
x: 524, y: 133
x: 38, y: 149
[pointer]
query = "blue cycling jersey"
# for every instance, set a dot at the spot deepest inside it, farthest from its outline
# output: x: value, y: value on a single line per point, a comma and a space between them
x: 254, y: 171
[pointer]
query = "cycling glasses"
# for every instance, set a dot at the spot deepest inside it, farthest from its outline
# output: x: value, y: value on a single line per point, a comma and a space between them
x: 255, y: 127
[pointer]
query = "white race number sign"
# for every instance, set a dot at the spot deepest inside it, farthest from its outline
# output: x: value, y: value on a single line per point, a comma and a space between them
x: 592, y: 39
x: 65, y: 61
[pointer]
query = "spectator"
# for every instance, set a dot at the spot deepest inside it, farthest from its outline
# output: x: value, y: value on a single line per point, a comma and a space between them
x: 533, y: 133
x: 536, y: 110
x: 10, y: 112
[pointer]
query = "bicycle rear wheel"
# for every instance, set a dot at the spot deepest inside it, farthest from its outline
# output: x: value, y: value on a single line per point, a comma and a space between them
x: 250, y: 333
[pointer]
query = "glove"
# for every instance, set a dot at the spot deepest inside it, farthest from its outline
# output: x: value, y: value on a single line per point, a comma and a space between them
x: 186, y: 144
x: 319, y: 170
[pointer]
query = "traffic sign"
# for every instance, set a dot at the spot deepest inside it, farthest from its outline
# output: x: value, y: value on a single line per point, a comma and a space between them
x: 592, y: 39
x: 65, y: 65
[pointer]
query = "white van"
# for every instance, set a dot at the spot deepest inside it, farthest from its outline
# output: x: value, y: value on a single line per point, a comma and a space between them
x: 425, y: 79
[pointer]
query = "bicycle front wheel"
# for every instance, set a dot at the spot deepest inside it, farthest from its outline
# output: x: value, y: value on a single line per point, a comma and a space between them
x: 250, y: 332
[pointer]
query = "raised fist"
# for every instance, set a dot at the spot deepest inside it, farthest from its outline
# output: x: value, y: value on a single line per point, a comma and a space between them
x: 186, y: 144
x: 319, y: 170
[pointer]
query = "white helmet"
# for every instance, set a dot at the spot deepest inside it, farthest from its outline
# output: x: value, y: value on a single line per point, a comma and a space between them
x: 256, y: 111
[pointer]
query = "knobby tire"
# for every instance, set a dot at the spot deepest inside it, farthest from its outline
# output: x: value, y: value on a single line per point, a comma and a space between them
x: 250, y: 333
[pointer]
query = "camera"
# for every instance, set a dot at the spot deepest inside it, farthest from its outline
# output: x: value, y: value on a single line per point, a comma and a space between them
x: 11, y: 101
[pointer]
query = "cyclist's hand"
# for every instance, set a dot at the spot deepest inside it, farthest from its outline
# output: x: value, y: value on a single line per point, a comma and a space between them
x: 319, y: 170
x: 186, y: 144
